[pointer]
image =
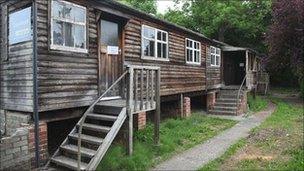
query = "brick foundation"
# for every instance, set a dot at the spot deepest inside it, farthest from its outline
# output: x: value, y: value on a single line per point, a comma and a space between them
x: 211, y: 97
x: 140, y: 120
x: 43, y: 140
x: 186, y: 107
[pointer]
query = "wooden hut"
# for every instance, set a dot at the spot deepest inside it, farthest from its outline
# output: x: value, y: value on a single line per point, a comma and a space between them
x: 99, y: 61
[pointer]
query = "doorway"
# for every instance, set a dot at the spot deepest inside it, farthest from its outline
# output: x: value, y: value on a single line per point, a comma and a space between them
x: 110, y: 57
x: 234, y: 67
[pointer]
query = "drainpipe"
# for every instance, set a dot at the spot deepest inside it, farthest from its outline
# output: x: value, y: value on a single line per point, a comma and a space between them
x: 35, y: 85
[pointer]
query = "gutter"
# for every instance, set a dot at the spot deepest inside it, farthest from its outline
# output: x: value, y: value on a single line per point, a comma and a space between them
x: 35, y: 85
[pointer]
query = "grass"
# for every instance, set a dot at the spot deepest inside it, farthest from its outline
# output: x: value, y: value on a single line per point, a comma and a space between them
x: 176, y: 135
x: 277, y: 144
x: 257, y: 104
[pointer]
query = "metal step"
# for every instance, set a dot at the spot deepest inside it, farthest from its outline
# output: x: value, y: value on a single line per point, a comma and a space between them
x: 74, y: 149
x: 93, y: 127
x: 68, y: 162
x: 101, y: 117
x: 87, y: 138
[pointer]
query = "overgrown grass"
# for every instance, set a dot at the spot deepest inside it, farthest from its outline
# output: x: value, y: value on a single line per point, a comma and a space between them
x: 257, y: 104
x: 275, y: 145
x: 176, y: 135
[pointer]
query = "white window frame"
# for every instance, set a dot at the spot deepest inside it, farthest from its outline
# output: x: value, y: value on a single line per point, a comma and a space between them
x: 143, y: 56
x: 63, y: 47
x: 193, y: 50
x: 215, y: 56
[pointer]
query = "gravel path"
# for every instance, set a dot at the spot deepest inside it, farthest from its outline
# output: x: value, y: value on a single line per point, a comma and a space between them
x: 200, y: 155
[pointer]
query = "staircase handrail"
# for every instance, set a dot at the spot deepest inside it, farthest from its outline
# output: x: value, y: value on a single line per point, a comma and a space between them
x: 238, y: 94
x: 89, y: 110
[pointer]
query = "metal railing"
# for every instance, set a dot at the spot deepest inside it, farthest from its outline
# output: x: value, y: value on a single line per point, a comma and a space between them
x: 238, y: 94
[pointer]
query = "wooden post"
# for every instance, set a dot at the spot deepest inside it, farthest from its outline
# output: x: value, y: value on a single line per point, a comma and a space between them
x: 157, y: 110
x: 130, y: 113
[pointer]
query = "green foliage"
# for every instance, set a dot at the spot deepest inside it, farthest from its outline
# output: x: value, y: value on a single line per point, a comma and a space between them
x: 256, y: 104
x: 302, y: 88
x: 240, y: 23
x: 175, y: 135
x: 147, y: 6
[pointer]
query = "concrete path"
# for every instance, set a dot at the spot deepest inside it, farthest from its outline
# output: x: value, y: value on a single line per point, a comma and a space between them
x: 200, y: 155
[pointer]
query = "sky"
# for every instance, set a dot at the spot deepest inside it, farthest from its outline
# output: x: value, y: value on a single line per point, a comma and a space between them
x: 164, y: 5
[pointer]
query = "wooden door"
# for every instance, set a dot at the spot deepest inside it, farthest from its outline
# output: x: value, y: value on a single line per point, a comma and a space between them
x: 110, y: 66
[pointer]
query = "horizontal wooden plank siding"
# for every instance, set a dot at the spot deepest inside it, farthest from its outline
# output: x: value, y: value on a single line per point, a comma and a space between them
x: 66, y: 79
x: 176, y: 75
x: 214, y: 74
x: 16, y: 70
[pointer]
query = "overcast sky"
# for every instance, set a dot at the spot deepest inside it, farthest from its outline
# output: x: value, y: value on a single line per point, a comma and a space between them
x: 163, y: 5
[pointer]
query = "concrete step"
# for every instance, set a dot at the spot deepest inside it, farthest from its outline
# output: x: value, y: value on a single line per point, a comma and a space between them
x: 222, y: 112
x: 74, y: 149
x: 94, y: 127
x: 225, y: 104
x: 102, y: 117
x: 227, y: 100
x: 87, y: 138
x: 225, y: 108
x: 232, y: 96
x: 68, y: 162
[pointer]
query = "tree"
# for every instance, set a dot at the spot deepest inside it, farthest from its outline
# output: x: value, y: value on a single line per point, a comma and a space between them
x: 285, y: 39
x: 241, y: 23
x: 147, y: 6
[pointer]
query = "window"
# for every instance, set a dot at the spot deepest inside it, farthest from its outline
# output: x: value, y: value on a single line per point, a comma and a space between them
x: 154, y: 43
x: 68, y: 26
x: 20, y: 27
x: 215, y: 56
x: 193, y: 52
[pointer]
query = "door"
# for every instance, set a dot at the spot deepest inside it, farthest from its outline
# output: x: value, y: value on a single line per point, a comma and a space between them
x: 110, y: 58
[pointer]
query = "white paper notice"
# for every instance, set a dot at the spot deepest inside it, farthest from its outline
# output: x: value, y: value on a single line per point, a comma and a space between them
x: 112, y: 50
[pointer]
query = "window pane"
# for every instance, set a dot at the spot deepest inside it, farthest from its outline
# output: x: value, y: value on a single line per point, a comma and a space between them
x: 79, y: 36
x: 198, y: 56
x: 164, y: 36
x: 68, y: 34
x: 212, y: 59
x: 212, y: 50
x: 164, y: 50
x: 191, y: 56
x: 217, y: 60
x: 67, y: 11
x: 79, y: 14
x: 188, y: 55
x: 57, y: 9
x: 195, y: 56
x: 20, y: 29
x: 109, y: 33
x: 187, y: 43
x: 159, y: 50
x: 149, y: 32
x: 58, y: 32
x: 190, y: 43
x: 148, y: 48
x: 159, y: 34
x: 217, y: 51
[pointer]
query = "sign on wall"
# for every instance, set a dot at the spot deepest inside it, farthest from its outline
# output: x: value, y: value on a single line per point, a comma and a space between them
x: 20, y: 27
x: 112, y: 50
